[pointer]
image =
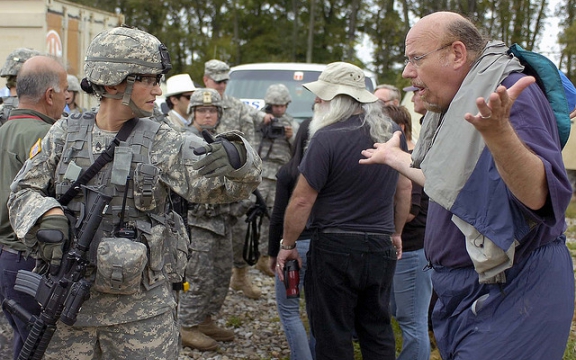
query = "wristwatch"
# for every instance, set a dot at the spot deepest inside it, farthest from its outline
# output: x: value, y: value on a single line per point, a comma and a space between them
x: 286, y: 247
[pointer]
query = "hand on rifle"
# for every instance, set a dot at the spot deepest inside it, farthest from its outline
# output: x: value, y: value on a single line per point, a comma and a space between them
x: 52, y: 236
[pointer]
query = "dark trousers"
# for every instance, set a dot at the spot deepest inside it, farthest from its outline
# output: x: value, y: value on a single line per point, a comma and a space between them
x: 347, y: 286
x: 10, y: 263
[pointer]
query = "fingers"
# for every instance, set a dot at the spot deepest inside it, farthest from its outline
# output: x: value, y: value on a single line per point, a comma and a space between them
x: 203, y: 149
x: 499, y: 103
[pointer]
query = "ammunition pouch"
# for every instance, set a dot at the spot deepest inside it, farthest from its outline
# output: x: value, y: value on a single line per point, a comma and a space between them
x: 120, y: 263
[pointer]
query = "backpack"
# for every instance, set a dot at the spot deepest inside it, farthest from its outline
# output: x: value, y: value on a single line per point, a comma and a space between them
x: 548, y: 78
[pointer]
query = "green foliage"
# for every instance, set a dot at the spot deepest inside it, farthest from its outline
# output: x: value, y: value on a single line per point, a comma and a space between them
x: 246, y: 31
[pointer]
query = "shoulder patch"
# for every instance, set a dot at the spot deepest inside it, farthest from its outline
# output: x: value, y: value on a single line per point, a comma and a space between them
x: 36, y: 148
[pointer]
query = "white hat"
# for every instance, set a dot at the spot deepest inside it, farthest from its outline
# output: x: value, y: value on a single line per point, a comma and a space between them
x: 179, y: 84
x: 341, y: 78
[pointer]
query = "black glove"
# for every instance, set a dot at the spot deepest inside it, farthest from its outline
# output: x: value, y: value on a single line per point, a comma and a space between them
x: 52, y: 236
x: 223, y: 156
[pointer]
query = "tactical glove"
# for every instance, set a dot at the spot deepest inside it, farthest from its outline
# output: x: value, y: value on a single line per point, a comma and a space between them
x: 52, y: 235
x: 223, y: 156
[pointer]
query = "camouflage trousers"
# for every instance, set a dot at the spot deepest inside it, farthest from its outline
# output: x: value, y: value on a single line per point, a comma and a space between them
x: 267, y: 189
x: 208, y: 271
x: 153, y: 338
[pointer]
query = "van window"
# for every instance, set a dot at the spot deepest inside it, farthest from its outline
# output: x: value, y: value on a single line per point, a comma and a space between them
x: 250, y: 86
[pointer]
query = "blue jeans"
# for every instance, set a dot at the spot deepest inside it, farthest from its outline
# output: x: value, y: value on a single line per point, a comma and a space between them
x: 9, y: 266
x: 289, y: 310
x: 411, y: 292
x: 347, y: 287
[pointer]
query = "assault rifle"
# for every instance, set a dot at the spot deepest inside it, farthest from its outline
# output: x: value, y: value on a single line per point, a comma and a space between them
x: 60, y: 296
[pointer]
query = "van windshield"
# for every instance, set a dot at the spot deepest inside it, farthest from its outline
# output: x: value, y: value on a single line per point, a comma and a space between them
x: 250, y: 86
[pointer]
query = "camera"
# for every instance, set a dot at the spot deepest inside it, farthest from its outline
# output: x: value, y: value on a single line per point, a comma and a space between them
x: 292, y: 278
x: 274, y: 130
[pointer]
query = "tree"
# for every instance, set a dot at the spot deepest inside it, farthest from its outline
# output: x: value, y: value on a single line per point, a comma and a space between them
x: 245, y: 31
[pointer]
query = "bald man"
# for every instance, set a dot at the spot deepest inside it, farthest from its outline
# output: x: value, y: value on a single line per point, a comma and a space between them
x: 389, y: 94
x: 498, y: 190
x: 41, y: 87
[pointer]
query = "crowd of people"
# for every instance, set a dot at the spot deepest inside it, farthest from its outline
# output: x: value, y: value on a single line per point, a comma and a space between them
x: 455, y: 234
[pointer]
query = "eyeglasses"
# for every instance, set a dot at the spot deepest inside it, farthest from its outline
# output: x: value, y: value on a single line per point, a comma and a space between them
x: 221, y: 82
x: 414, y: 61
x: 187, y: 97
x: 148, y: 80
x: 204, y: 110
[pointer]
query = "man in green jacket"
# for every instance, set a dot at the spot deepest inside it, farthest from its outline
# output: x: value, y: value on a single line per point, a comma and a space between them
x: 42, y: 85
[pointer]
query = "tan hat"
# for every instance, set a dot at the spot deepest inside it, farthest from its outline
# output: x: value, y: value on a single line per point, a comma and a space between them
x: 217, y: 70
x: 341, y: 78
x: 179, y: 84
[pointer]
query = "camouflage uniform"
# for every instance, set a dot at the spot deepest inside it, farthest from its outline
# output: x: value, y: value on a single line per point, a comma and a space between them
x: 274, y: 152
x: 237, y: 117
x: 159, y: 160
x: 210, y: 265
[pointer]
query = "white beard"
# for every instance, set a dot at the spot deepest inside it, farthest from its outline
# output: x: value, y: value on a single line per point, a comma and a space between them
x: 319, y: 119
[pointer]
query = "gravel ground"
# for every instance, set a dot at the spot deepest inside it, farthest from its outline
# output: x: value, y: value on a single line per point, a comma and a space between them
x: 259, y: 335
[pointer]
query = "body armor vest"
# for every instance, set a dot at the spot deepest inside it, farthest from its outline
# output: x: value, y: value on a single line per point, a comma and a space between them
x: 138, y: 208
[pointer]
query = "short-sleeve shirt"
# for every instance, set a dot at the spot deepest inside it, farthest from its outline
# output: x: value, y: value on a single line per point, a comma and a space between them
x: 351, y: 196
x: 534, y: 122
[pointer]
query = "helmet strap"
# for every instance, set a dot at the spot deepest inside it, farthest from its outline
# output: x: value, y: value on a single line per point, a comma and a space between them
x: 126, y: 98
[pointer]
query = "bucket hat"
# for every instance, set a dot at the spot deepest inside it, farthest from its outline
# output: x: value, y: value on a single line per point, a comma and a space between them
x: 340, y: 78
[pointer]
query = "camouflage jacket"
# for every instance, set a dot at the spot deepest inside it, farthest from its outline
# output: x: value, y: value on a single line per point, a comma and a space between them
x: 236, y: 116
x: 36, y: 186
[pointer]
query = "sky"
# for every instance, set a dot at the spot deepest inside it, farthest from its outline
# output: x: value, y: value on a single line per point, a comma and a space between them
x: 548, y: 44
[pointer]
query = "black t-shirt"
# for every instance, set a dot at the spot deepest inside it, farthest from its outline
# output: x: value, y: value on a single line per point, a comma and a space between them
x: 350, y: 196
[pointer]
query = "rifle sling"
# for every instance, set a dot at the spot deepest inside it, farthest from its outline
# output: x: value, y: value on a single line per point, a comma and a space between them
x: 105, y: 157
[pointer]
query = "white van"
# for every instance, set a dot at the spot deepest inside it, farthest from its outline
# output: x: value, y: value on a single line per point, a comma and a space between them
x: 249, y: 83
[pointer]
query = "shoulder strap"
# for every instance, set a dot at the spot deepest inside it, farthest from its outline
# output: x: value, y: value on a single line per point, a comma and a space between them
x: 102, y: 160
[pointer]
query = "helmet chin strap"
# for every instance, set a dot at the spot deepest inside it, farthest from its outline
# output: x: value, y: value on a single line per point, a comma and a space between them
x: 126, y: 99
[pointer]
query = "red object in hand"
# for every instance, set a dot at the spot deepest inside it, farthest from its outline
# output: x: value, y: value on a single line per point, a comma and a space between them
x: 292, y: 279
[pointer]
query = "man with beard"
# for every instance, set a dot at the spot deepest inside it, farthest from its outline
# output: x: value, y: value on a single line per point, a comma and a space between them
x: 489, y: 155
x: 356, y: 214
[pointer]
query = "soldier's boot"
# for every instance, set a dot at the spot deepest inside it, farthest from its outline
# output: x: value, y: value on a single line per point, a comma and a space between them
x: 209, y: 328
x: 193, y: 338
x: 241, y: 281
x: 262, y: 265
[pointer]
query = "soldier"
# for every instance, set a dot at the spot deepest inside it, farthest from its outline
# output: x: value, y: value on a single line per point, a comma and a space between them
x: 179, y: 88
x: 210, y: 264
x: 72, y: 97
x: 9, y: 71
x: 41, y: 89
x: 274, y: 147
x: 140, y: 248
x: 235, y: 116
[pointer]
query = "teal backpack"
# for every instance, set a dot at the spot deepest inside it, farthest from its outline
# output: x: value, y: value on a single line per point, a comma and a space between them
x: 548, y: 78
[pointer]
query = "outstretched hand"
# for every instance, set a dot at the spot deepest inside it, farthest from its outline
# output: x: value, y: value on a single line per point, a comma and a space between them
x: 494, y: 114
x: 384, y: 153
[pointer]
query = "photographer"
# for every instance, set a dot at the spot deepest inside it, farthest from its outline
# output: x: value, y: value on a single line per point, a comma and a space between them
x: 273, y: 141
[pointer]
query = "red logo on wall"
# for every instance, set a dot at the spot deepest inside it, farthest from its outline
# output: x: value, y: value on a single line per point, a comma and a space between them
x: 53, y: 43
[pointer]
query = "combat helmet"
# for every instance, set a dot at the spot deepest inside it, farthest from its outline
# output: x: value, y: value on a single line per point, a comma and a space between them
x: 205, y: 97
x: 277, y: 94
x: 73, y: 83
x: 122, y: 53
x: 15, y: 60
